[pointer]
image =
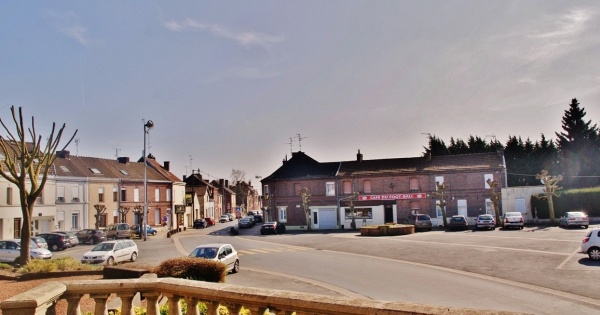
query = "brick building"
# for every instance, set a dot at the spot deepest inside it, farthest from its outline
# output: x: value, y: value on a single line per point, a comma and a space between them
x: 387, y: 190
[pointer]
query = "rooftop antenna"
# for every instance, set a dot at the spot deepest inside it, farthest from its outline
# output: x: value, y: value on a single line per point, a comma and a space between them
x: 117, y: 152
x: 77, y: 147
x: 290, y: 143
x: 300, y: 142
x: 190, y: 166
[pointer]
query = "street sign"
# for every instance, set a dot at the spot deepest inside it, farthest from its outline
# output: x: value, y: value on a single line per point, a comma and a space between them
x: 392, y: 197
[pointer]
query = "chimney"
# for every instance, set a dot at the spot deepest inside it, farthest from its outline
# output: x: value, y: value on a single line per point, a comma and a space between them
x: 359, y: 156
x: 221, y: 182
x: 123, y: 159
x: 166, y: 166
x: 184, y: 177
x: 227, y: 183
x: 64, y: 154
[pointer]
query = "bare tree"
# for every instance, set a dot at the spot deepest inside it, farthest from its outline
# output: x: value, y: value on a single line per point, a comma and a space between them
x: 26, y: 164
x: 237, y: 176
x: 305, y: 205
x: 439, y: 194
x: 495, y: 198
x: 550, y: 188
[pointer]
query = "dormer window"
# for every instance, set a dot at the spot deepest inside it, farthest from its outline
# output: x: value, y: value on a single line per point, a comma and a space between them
x: 95, y: 170
x: 124, y: 172
x: 64, y: 169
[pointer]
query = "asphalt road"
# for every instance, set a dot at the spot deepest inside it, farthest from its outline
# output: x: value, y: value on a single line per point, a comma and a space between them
x: 534, y: 270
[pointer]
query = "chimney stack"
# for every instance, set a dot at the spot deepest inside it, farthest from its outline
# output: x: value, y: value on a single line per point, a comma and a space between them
x: 166, y: 166
x: 123, y: 159
x: 64, y: 154
x: 359, y: 156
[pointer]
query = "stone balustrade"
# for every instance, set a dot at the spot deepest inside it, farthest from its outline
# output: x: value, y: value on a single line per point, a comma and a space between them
x: 42, y: 300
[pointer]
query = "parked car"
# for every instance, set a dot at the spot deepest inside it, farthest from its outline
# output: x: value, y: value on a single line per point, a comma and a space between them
x: 512, y: 219
x: 10, y: 251
x: 209, y: 221
x: 117, y: 231
x: 91, y: 236
x: 56, y: 241
x: 458, y: 222
x: 112, y: 252
x: 485, y: 221
x: 268, y: 228
x: 40, y: 242
x: 591, y: 244
x: 574, y: 218
x: 200, y: 224
x: 245, y: 222
x: 420, y: 221
x: 230, y: 216
x: 258, y: 218
x: 137, y: 230
x: 73, y: 240
x: 224, y: 218
x: 224, y: 253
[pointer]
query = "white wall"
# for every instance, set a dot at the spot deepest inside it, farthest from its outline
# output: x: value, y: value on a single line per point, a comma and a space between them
x: 510, y: 194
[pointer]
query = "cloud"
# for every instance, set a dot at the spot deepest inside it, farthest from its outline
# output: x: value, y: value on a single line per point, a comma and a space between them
x: 69, y: 24
x: 242, y: 38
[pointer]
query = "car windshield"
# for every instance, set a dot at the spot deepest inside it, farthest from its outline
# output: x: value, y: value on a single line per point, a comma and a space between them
x: 103, y: 247
x: 576, y: 214
x: 513, y: 214
x: 204, y: 252
x: 423, y: 218
x: 485, y: 217
x: 458, y: 219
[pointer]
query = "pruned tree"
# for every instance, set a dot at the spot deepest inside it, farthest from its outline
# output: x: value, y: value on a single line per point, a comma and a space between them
x: 305, y: 205
x: 550, y: 188
x: 27, y: 162
x: 495, y: 197
x: 99, y: 211
x: 237, y: 176
x: 440, y: 195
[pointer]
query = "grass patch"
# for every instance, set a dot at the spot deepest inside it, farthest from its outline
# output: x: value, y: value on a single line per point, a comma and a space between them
x: 54, y: 265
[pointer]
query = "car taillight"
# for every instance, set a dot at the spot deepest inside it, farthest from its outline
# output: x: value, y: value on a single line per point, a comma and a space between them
x: 585, y: 240
x: 506, y: 220
x: 521, y: 219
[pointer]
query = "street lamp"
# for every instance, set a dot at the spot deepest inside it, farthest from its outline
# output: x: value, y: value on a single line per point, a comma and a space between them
x: 147, y: 126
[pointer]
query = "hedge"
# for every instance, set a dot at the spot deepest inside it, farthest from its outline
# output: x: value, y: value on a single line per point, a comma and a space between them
x: 584, y: 199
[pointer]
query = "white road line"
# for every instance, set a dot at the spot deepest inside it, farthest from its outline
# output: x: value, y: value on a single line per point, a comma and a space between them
x: 568, y: 258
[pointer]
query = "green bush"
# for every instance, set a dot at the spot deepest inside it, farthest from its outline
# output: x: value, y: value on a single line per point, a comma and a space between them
x: 4, y: 266
x: 584, y: 199
x: 193, y: 269
x: 53, y: 265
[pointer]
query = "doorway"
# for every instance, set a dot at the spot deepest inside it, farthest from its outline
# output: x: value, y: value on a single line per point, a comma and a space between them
x: 388, y: 214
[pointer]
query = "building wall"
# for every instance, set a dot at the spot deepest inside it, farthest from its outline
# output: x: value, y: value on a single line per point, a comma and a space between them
x: 510, y: 195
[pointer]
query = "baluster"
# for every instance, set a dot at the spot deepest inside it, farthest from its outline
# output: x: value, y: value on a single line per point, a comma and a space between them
x: 126, y: 303
x: 192, y: 306
x: 212, y: 307
x: 174, y: 306
x: 152, y: 303
x: 73, y: 307
x: 100, y: 299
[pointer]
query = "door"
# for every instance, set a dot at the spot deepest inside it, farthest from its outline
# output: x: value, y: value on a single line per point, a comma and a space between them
x: 328, y: 219
x: 17, y: 228
x: 388, y: 214
x: 462, y: 207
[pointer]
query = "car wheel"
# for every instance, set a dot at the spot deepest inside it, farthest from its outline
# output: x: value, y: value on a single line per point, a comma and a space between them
x: 236, y: 267
x: 133, y: 257
x: 585, y: 226
x: 54, y: 247
x: 154, y: 233
x: 520, y: 227
x: 110, y: 261
x: 92, y: 241
x: 594, y: 253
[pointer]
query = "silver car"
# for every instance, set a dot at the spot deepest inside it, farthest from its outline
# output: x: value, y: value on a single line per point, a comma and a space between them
x: 224, y: 253
x: 10, y: 251
x: 485, y: 221
x: 574, y: 218
x: 112, y: 252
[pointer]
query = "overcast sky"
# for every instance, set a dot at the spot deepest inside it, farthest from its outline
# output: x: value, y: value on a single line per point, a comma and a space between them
x: 228, y: 83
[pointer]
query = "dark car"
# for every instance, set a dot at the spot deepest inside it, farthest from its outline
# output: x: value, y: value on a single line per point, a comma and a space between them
x: 39, y: 242
x: 258, y: 218
x: 137, y: 230
x: 420, y: 221
x: 56, y: 241
x: 268, y: 228
x: 458, y: 222
x: 70, y: 236
x: 245, y: 223
x: 91, y: 236
x: 200, y: 224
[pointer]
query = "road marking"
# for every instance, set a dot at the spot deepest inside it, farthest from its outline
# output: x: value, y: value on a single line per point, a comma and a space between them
x: 568, y: 258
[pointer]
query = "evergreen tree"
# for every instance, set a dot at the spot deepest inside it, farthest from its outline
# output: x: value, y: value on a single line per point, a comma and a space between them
x: 579, y: 148
x: 477, y: 145
x: 458, y: 147
x: 437, y: 147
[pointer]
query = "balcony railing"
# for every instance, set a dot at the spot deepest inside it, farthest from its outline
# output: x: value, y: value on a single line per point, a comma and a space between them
x: 42, y: 299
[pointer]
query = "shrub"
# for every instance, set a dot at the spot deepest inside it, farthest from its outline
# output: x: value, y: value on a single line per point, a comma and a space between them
x: 53, y: 265
x: 193, y: 269
x: 4, y: 266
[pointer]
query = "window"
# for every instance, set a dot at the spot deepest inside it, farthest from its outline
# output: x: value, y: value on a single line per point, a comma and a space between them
x: 75, y: 221
x: 95, y: 170
x: 414, y: 184
x: 347, y: 187
x: 136, y: 195
x: 367, y: 186
x: 415, y: 206
x: 330, y: 189
x: 60, y: 194
x: 485, y: 180
x: 123, y: 194
x: 9, y: 195
x: 489, y: 206
x: 297, y: 189
x: 102, y: 220
x: 266, y: 189
x: 75, y: 191
x: 101, y: 194
x: 116, y: 194
x: 438, y: 180
x: 40, y: 198
x: 157, y: 194
x: 168, y: 194
x: 282, y: 215
x: 124, y: 172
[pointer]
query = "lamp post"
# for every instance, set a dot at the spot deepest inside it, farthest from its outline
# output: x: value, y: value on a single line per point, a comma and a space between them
x: 147, y: 125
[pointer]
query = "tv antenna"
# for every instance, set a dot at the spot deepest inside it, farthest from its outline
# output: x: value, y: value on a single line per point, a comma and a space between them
x: 77, y: 147
x: 290, y: 143
x: 117, y: 152
x: 300, y: 142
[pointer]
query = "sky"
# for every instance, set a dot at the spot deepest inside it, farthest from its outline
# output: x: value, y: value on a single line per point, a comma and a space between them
x: 242, y: 84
